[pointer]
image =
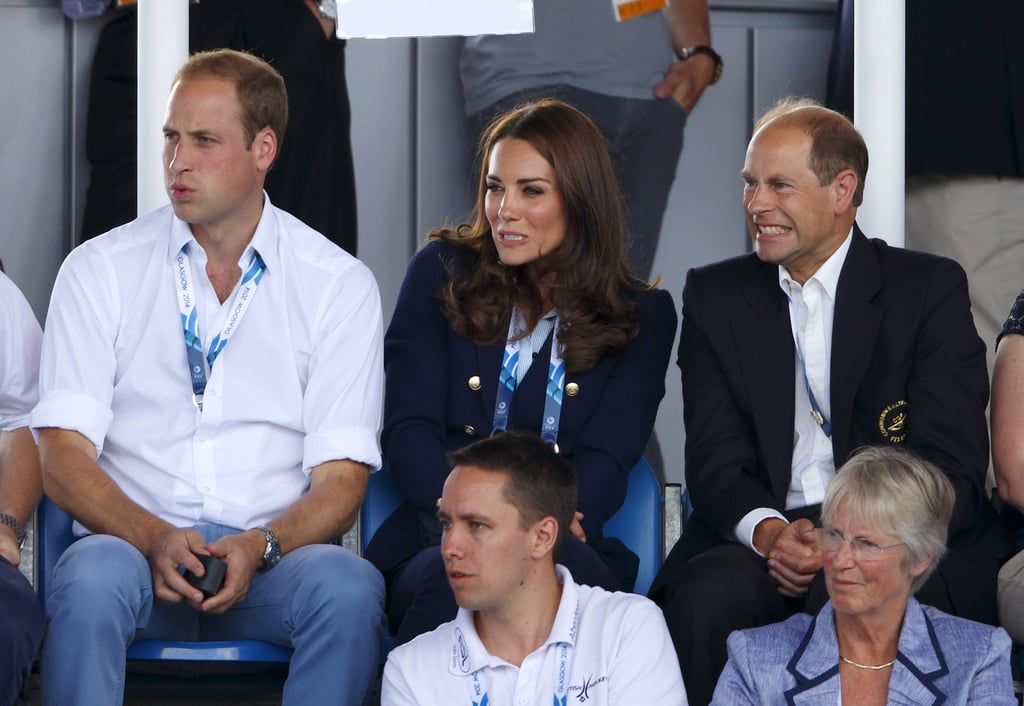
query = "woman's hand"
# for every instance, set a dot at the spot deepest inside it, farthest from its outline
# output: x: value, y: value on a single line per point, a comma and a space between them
x: 576, y: 529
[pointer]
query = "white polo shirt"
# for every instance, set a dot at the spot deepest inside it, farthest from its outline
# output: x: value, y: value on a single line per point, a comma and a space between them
x: 619, y: 653
x: 20, y: 339
x: 299, y: 383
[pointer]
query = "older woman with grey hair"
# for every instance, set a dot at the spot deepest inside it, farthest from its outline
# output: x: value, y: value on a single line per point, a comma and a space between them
x: 883, y: 532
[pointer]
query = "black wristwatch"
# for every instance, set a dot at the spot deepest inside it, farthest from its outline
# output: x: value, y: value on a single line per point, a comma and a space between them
x: 272, y: 554
x: 686, y: 52
x: 19, y: 532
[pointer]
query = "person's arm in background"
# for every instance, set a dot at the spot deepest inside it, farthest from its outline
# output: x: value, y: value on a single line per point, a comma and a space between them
x: 327, y: 24
x: 689, y: 25
x: 1008, y: 420
x: 20, y: 486
x: 617, y: 425
x: 20, y: 481
x: 416, y: 384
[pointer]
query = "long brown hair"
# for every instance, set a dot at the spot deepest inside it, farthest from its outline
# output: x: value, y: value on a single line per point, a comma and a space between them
x: 593, y: 278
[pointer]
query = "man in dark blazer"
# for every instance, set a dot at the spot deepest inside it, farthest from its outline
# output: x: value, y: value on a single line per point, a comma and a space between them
x: 793, y: 356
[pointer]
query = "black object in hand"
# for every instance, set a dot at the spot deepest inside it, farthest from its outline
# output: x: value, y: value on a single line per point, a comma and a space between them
x: 212, y: 580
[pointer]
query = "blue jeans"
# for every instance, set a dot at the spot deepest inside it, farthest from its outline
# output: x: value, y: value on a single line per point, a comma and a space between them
x: 645, y: 139
x: 21, y: 630
x: 321, y: 599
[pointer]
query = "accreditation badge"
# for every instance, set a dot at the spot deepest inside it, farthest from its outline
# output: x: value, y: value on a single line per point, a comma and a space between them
x: 628, y: 9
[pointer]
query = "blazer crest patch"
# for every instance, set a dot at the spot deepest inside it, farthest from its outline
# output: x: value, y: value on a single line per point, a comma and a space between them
x: 892, y: 422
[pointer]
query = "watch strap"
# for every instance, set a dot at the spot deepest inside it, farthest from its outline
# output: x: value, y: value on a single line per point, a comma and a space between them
x: 686, y: 52
x: 272, y: 553
x: 19, y: 530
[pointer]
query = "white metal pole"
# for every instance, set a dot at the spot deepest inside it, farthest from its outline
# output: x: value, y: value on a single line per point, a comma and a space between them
x: 163, y: 47
x: 879, y: 90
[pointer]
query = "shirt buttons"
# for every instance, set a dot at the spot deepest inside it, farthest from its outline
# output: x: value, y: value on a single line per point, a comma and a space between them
x: 470, y: 431
x: 474, y: 383
x: 203, y: 438
x: 572, y: 389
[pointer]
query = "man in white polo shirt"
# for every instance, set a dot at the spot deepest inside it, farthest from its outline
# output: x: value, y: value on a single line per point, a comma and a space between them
x: 525, y: 632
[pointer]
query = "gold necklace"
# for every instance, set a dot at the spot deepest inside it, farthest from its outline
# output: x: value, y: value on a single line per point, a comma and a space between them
x: 875, y: 667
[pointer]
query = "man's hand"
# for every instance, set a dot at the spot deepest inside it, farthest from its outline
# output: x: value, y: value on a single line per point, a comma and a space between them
x: 175, y: 548
x: 244, y: 555
x: 685, y: 81
x: 794, y: 556
x: 9, y: 546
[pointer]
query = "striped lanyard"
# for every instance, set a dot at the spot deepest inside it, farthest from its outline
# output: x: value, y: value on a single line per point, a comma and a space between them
x: 508, y: 377
x: 197, y: 361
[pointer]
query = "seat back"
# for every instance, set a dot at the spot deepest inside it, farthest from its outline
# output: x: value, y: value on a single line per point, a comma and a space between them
x: 381, y: 499
x: 55, y: 536
x: 637, y: 523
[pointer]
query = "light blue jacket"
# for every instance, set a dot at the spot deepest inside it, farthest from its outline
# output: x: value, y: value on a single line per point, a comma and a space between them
x: 941, y: 660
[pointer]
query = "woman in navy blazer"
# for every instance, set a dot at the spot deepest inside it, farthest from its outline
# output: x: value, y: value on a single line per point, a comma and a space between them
x: 884, y: 523
x: 540, y: 275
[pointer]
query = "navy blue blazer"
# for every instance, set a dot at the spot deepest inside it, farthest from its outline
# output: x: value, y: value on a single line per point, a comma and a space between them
x: 431, y: 407
x: 907, y: 369
x: 941, y: 660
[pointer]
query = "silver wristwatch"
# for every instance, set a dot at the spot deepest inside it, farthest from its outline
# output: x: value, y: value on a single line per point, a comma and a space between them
x: 272, y: 553
x: 328, y: 9
x: 19, y: 531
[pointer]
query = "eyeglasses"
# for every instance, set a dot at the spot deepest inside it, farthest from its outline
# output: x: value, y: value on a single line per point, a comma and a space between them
x: 860, y: 548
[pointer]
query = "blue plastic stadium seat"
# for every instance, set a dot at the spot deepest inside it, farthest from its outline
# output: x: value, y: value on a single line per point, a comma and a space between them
x: 381, y: 500
x: 638, y: 522
x: 55, y: 536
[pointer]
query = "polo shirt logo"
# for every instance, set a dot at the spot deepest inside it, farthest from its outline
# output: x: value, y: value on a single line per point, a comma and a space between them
x: 582, y: 691
x: 460, y: 655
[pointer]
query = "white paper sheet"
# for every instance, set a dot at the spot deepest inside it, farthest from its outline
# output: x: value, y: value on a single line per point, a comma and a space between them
x: 429, y: 18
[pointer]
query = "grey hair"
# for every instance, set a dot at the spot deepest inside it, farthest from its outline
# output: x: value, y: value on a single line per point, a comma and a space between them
x: 898, y: 492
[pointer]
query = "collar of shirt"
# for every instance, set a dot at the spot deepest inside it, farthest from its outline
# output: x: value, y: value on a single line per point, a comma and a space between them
x: 533, y: 342
x: 827, y: 275
x: 264, y: 240
x: 470, y: 655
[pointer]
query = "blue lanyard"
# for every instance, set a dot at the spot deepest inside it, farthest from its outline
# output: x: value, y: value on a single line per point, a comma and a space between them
x: 508, y: 377
x: 816, y: 414
x: 197, y: 361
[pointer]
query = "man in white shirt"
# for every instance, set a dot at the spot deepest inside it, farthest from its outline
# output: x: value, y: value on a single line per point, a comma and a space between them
x: 211, y: 384
x: 21, y: 629
x: 792, y: 357
x: 525, y: 632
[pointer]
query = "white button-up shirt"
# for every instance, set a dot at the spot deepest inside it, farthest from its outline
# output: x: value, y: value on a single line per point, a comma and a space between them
x: 299, y: 383
x: 811, y: 312
x: 20, y: 338
x: 620, y: 653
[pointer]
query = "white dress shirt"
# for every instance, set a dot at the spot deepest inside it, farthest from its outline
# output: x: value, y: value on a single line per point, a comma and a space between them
x: 620, y: 653
x: 811, y: 313
x: 299, y: 383
x: 20, y: 339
